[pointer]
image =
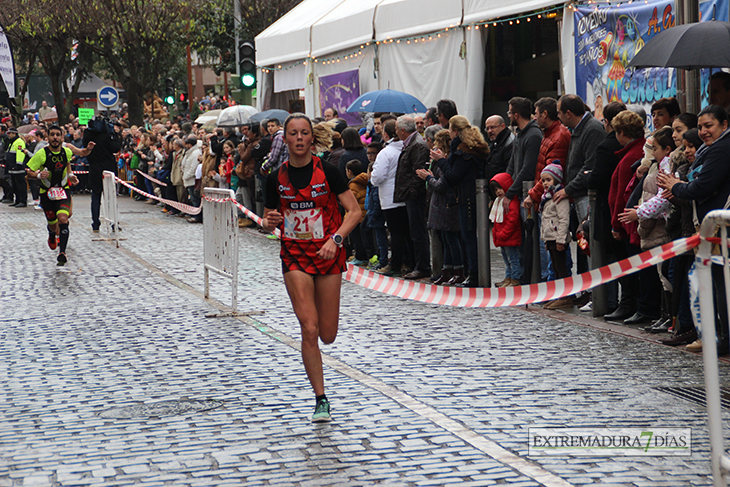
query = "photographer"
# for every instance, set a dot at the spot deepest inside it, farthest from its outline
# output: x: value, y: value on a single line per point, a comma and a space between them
x: 101, y: 158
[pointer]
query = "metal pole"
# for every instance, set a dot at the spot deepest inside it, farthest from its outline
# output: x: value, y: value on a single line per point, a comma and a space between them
x: 703, y: 266
x: 485, y: 271
x: 680, y: 74
x: 693, y: 86
x: 237, y: 26
x: 597, y: 259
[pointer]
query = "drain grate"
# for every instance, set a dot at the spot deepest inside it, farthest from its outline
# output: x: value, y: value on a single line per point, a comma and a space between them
x: 157, y: 409
x: 696, y: 394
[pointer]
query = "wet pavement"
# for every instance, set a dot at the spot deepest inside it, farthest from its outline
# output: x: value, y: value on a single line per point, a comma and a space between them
x: 421, y: 395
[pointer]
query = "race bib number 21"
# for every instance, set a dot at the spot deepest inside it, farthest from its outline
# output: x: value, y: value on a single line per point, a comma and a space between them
x: 303, y: 224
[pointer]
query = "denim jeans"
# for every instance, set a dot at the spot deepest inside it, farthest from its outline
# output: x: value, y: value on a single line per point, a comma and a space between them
x: 512, y: 262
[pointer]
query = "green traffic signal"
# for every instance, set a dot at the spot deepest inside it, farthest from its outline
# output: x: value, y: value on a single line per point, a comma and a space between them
x: 170, y: 100
x: 248, y: 80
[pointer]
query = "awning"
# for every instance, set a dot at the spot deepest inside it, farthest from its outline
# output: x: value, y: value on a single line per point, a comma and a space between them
x: 288, y: 39
x: 322, y: 27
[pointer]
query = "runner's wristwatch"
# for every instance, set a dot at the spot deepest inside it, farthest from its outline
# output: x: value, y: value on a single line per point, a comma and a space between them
x: 337, y: 239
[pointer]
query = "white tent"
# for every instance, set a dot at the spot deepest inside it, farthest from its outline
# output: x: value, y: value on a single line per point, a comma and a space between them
x: 450, y: 65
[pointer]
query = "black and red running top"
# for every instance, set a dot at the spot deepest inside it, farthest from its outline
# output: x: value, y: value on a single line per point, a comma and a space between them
x: 311, y: 217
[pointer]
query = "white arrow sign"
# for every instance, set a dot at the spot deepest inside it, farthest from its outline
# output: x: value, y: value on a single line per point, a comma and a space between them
x: 108, y: 96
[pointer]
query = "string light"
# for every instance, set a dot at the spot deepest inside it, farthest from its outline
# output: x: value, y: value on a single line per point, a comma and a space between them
x: 549, y: 13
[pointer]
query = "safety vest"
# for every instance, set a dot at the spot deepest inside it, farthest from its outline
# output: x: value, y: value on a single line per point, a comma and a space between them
x: 15, y: 157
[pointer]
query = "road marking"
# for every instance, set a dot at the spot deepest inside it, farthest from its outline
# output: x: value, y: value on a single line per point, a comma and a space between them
x: 485, y: 445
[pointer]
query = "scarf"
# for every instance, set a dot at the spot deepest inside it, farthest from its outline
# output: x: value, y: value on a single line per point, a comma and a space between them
x: 548, y: 194
x: 496, y: 215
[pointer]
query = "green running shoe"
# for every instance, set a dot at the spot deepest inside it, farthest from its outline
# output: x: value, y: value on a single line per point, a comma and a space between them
x: 322, y: 412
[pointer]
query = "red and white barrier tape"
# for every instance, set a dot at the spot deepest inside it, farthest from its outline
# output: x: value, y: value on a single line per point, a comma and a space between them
x: 250, y: 214
x: 515, y: 296
x: 190, y: 210
x: 151, y: 178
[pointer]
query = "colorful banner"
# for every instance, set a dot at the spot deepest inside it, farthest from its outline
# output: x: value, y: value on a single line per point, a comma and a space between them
x: 338, y: 91
x: 606, y: 39
x: 7, y: 69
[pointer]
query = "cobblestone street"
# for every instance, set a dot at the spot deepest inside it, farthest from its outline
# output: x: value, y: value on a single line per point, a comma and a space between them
x: 421, y: 394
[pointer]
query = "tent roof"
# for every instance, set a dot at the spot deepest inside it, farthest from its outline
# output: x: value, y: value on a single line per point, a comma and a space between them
x: 321, y: 27
x: 92, y: 83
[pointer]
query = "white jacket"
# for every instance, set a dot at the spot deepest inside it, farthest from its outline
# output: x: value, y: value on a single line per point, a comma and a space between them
x: 189, y: 163
x: 383, y: 175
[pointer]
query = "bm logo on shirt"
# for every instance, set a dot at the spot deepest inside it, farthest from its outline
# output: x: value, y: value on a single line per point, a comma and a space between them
x: 302, y: 205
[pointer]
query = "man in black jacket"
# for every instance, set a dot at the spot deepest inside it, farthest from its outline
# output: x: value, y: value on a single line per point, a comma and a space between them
x: 599, y: 179
x: 500, y: 146
x: 587, y: 134
x: 101, y: 158
x: 410, y: 189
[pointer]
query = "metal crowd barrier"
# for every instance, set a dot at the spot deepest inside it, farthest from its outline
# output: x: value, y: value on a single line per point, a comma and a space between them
x: 220, y: 241
x: 703, y: 264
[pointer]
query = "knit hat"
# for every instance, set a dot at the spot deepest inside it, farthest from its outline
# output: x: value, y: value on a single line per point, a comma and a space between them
x: 555, y: 170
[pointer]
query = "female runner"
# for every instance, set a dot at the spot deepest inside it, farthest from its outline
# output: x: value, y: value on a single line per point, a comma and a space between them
x: 301, y: 199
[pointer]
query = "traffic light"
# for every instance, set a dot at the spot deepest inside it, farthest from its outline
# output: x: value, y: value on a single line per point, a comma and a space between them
x: 247, y: 64
x: 184, y: 101
x: 169, y: 91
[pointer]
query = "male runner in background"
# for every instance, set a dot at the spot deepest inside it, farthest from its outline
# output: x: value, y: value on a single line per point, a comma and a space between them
x: 52, y: 166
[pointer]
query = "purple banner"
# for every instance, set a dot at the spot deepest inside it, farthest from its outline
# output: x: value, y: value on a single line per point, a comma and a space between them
x: 338, y: 91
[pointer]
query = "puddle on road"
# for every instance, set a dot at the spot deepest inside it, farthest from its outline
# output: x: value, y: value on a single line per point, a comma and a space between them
x: 157, y: 409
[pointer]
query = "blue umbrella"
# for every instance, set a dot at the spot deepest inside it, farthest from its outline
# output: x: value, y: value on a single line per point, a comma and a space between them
x: 280, y: 115
x: 387, y: 101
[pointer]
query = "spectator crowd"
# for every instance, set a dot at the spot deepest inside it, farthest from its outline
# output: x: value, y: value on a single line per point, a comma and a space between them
x: 415, y: 178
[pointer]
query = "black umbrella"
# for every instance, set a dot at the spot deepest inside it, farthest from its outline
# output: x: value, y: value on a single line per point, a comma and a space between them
x: 688, y: 46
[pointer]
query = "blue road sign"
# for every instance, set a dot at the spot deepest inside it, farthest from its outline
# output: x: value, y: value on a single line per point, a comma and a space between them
x: 108, y: 96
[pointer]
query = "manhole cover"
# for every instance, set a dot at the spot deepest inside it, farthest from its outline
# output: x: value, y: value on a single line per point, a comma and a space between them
x: 156, y: 409
x: 696, y: 394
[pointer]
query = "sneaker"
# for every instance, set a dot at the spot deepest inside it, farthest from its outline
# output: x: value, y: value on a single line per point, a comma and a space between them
x: 52, y: 241
x: 695, y: 346
x: 374, y: 260
x: 588, y: 306
x: 385, y: 270
x: 37, y: 207
x: 358, y: 262
x: 322, y: 412
x: 271, y: 236
x: 61, y: 260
